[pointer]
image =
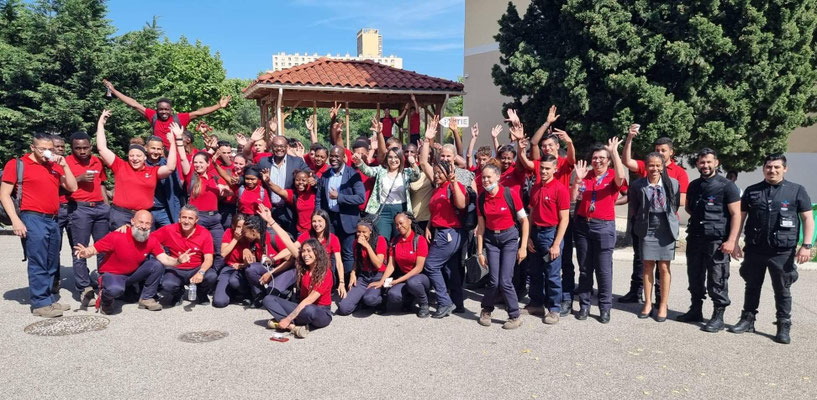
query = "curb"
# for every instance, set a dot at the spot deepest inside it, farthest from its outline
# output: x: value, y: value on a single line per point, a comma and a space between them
x: 626, y: 254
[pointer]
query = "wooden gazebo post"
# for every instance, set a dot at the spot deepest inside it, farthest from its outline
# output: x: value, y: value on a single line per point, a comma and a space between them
x: 348, y: 145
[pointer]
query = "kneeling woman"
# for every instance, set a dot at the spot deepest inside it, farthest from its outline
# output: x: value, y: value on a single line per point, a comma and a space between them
x: 244, y: 274
x: 370, y: 253
x: 314, y: 282
x: 406, y: 260
x: 497, y: 208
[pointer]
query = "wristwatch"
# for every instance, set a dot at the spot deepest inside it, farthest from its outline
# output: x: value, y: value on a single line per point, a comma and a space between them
x: 201, y: 273
x: 808, y: 246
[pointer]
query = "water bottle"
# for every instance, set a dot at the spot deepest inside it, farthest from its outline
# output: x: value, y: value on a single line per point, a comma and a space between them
x: 191, y: 292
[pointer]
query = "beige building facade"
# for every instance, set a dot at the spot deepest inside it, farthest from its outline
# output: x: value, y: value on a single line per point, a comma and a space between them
x: 483, y: 103
x: 369, y: 47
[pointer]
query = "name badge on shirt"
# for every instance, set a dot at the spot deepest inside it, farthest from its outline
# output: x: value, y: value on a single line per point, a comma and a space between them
x: 787, y: 222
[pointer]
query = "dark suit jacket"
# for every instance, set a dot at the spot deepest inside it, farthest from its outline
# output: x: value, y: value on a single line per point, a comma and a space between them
x: 293, y: 164
x: 639, y: 207
x: 351, y: 195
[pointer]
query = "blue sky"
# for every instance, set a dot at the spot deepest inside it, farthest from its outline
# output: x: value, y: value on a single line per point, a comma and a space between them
x: 428, y: 34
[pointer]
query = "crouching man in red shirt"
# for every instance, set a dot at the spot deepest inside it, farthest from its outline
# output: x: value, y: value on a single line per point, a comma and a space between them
x: 126, y: 262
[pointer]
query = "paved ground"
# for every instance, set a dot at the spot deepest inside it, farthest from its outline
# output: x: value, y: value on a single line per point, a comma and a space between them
x: 399, y: 356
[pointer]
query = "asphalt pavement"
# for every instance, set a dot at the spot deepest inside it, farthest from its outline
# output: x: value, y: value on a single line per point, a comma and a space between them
x: 139, y: 354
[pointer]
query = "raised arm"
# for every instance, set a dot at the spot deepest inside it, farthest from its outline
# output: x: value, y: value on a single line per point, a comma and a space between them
x: 403, y: 113
x: 105, y: 153
x: 469, y: 156
x: 455, y: 131
x: 173, y: 136
x: 266, y: 215
x: 581, y: 171
x: 618, y: 166
x: 425, y: 149
x: 456, y: 193
x: 536, y: 152
x: 495, y: 137
x: 627, y: 153
x: 222, y: 103
x: 377, y: 128
x: 125, y: 99
x: 522, y: 160
x: 312, y: 127
x: 571, y: 150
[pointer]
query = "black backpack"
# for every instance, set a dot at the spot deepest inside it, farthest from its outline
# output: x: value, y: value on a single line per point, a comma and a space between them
x: 508, y: 200
x: 16, y: 196
x: 468, y: 215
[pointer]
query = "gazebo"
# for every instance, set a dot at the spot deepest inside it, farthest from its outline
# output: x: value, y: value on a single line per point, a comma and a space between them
x: 352, y: 83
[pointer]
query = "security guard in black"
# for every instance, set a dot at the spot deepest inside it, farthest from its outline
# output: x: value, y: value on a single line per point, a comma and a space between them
x: 773, y: 210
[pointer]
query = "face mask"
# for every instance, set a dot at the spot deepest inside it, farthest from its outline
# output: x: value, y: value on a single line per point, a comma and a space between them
x: 48, y: 155
x: 491, y: 187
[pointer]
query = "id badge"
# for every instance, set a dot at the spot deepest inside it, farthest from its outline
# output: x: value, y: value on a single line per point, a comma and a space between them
x: 448, y: 237
x: 592, y: 207
x: 786, y: 222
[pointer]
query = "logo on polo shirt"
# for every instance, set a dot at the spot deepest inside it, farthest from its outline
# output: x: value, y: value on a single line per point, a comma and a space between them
x: 147, y: 175
x: 502, y: 208
x: 784, y: 205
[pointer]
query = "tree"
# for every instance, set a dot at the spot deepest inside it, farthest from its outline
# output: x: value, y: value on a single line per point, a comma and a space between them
x: 734, y: 75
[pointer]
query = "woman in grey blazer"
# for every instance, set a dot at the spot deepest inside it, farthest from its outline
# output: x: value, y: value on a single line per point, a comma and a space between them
x: 653, y: 207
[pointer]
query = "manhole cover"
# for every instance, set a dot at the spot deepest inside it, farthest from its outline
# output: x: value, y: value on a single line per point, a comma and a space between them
x: 67, y: 325
x: 202, y: 336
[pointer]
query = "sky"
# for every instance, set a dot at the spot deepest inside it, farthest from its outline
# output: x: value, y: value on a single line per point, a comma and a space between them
x: 428, y: 34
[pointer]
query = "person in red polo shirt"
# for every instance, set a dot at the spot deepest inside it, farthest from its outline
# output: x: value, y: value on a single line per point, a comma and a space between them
x: 135, y: 181
x: 407, y: 257
x: 596, y: 190
x: 187, y: 236
x: 550, y: 214
x: 301, y: 199
x: 44, y: 172
x: 664, y: 147
x: 203, y: 193
x: 162, y: 117
x: 87, y: 207
x: 370, y: 261
x: 315, y: 280
x: 126, y: 262
x: 497, y: 232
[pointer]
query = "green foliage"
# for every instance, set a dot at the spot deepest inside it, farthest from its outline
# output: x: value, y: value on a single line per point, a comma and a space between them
x: 734, y: 75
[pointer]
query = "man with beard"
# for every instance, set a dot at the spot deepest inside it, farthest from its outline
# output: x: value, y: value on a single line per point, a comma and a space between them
x: 281, y: 168
x: 126, y: 262
x: 714, y: 221
x: 87, y: 208
x: 190, y: 238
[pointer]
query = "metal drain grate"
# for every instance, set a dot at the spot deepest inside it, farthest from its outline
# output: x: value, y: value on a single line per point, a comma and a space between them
x: 67, y: 325
x: 202, y: 336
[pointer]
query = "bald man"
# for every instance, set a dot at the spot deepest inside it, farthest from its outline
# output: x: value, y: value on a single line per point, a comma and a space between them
x: 126, y: 263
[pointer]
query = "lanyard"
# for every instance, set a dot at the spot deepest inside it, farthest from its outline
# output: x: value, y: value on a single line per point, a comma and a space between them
x: 593, y: 194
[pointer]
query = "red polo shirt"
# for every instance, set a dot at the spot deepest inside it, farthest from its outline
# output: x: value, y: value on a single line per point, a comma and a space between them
x: 207, y: 199
x: 404, y: 256
x: 236, y: 255
x: 41, y: 184
x: 304, y: 207
x: 134, y: 189
x: 87, y: 191
x: 333, y: 246
x: 673, y: 170
x: 123, y: 254
x: 324, y: 288
x: 368, y: 185
x: 200, y: 241
x: 606, y: 194
x: 161, y: 128
x: 513, y: 178
x: 443, y: 212
x: 380, y: 248
x: 387, y: 122
x: 546, y: 200
x: 414, y: 124
x: 251, y: 198
x: 498, y: 213
x: 563, y: 171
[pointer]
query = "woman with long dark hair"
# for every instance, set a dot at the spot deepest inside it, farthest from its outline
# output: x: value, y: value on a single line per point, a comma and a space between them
x: 314, y: 282
x: 370, y: 251
x: 320, y: 231
x: 203, y: 193
x: 653, y: 207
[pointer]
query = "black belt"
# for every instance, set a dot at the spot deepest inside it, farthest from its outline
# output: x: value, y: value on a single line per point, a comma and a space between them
x: 123, y: 209
x: 210, y: 213
x: 63, y: 205
x: 39, y: 214
x: 597, y: 220
x: 89, y: 203
x: 499, y: 232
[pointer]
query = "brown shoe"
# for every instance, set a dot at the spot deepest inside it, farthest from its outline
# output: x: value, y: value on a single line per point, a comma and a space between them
x: 61, y: 307
x: 300, y: 331
x: 534, y: 310
x: 512, y: 323
x: 48, y: 311
x: 485, y: 318
x: 551, y: 318
x: 150, y: 304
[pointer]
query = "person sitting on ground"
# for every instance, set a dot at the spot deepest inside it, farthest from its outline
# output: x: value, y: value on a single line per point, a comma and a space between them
x: 370, y: 254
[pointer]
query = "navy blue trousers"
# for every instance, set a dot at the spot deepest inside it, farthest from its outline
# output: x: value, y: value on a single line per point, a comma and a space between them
x: 443, y: 266
x: 174, y: 279
x: 312, y: 315
x: 594, y: 243
x: 43, y: 248
x: 149, y: 274
x: 281, y: 284
x: 360, y: 292
x: 501, y: 249
x: 415, y: 288
x: 87, y: 222
x: 545, y: 281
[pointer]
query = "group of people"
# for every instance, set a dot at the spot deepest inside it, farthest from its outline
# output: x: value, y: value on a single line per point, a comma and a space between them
x: 380, y: 224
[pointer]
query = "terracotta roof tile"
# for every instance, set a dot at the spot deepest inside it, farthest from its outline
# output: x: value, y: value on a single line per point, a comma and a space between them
x: 356, y: 74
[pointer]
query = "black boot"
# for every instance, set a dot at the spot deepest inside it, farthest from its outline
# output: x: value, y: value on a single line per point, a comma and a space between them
x: 715, y: 323
x: 693, y: 315
x: 746, y: 323
x: 633, y: 296
x: 783, y: 327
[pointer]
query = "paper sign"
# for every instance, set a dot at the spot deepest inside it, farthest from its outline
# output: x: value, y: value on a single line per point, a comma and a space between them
x: 462, y: 122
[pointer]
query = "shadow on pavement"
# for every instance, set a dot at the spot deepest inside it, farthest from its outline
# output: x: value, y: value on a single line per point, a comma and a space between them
x: 19, y: 295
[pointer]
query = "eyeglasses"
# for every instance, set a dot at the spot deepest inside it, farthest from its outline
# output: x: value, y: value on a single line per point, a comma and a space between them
x: 599, y: 158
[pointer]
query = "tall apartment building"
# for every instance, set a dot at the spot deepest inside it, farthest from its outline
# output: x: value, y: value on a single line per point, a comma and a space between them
x: 369, y: 47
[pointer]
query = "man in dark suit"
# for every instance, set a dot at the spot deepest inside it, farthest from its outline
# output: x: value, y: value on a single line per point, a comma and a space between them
x: 340, y: 193
x: 281, y: 168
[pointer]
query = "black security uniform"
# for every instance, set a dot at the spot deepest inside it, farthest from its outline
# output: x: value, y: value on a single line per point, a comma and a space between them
x: 707, y: 267
x: 772, y: 227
